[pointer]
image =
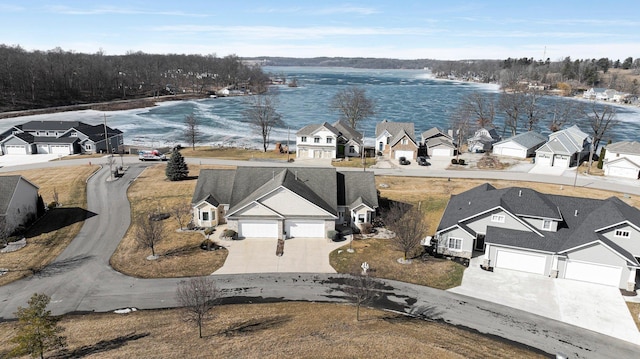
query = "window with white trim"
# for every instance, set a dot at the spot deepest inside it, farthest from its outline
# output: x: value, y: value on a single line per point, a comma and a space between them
x: 621, y: 233
x: 205, y: 216
x: 352, y: 149
x: 546, y: 224
x: 405, y: 141
x: 303, y: 139
x: 329, y: 140
x: 316, y: 140
x: 361, y: 218
x: 497, y: 218
x: 87, y: 146
x: 74, y: 134
x: 454, y: 243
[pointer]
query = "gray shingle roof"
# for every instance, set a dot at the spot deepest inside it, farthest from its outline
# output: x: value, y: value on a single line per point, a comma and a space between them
x: 49, y: 125
x: 433, y: 133
x: 347, y: 131
x: 214, y: 183
x: 396, y: 128
x: 530, y: 139
x: 625, y: 147
x: 357, y: 185
x: 565, y: 142
x: 439, y: 141
x: 8, y: 186
x: 579, y: 218
x: 340, y: 128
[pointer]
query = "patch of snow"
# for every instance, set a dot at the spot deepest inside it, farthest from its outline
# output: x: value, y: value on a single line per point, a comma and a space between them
x: 125, y: 310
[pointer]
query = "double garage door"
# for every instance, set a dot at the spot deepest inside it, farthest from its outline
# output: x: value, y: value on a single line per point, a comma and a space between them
x: 54, y: 149
x: 520, y: 261
x: 510, y: 151
x: 593, y: 273
x: 15, y: 150
x: 269, y: 229
x: 441, y: 152
x: 407, y: 154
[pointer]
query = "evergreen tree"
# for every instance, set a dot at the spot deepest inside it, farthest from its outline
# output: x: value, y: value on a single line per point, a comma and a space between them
x: 177, y: 168
x: 38, y: 330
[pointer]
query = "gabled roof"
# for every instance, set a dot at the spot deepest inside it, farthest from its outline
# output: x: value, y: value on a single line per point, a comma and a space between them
x: 395, y: 128
x: 439, y: 141
x: 622, y: 159
x: 581, y: 220
x: 96, y: 132
x: 625, y: 147
x: 527, y: 140
x: 434, y: 132
x: 565, y: 142
x: 8, y: 185
x: 356, y: 187
x: 62, y: 140
x: 340, y: 128
x: 49, y: 125
x: 214, y: 186
x: 399, y: 136
x: 24, y: 137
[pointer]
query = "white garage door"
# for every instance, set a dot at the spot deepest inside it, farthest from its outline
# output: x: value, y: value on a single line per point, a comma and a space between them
x: 593, y: 273
x: 258, y: 229
x: 306, y: 229
x: 524, y: 262
x: 561, y: 161
x: 60, y: 149
x: 545, y: 161
x: 303, y: 153
x: 43, y: 149
x: 511, y: 152
x: 623, y: 172
x: 441, y: 152
x: 15, y: 150
x: 407, y: 154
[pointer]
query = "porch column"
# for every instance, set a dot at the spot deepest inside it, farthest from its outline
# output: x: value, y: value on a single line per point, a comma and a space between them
x: 554, y: 267
x: 486, y: 260
x: 631, y: 283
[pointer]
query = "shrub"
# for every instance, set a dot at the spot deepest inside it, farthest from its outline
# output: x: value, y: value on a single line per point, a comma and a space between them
x: 230, y: 233
x: 209, y: 231
x: 454, y: 161
x: 366, y: 228
x: 461, y: 162
x: 331, y: 234
x: 159, y: 216
x: 52, y: 205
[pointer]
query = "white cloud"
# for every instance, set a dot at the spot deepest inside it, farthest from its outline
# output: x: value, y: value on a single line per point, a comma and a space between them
x: 107, y: 10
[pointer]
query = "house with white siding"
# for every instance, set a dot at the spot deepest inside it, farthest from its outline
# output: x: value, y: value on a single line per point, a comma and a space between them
x: 564, y: 149
x: 328, y: 141
x: 622, y: 159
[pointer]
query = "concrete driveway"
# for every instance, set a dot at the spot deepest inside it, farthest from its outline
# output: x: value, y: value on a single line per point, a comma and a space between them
x: 591, y: 306
x: 258, y: 255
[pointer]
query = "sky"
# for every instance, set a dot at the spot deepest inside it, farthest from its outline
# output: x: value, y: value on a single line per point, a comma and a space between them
x: 421, y: 29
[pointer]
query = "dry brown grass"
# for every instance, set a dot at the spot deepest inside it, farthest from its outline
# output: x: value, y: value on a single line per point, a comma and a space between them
x: 180, y: 253
x: 233, y: 153
x: 51, y: 235
x: 634, y: 308
x: 297, y: 330
x: 354, y: 162
x: 382, y: 258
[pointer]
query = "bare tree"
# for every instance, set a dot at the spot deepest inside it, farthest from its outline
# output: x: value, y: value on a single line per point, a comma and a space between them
x: 480, y: 108
x: 532, y: 109
x: 409, y: 225
x: 460, y: 123
x: 600, y: 121
x: 198, y: 297
x: 263, y: 117
x: 564, y: 112
x: 4, y: 232
x: 182, y: 212
x: 512, y: 104
x: 149, y: 230
x: 361, y: 290
x: 353, y: 105
x: 192, y: 130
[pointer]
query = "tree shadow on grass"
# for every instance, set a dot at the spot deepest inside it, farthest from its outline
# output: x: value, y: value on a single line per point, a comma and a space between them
x: 58, y: 218
x: 101, y: 346
x: 255, y: 325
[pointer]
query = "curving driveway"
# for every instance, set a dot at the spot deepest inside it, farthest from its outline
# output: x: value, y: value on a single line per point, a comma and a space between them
x: 82, y: 280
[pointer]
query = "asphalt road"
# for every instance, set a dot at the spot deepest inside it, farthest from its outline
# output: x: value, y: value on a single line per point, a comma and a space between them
x: 80, y: 279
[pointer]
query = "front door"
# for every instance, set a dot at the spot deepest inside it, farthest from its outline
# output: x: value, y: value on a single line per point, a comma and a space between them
x: 479, y: 243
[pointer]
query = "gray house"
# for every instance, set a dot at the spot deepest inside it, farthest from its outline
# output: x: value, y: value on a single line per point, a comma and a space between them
x: 265, y: 202
x: 18, y: 202
x: 438, y: 143
x: 59, y: 137
x: 523, y: 145
x: 564, y: 149
x: 521, y: 229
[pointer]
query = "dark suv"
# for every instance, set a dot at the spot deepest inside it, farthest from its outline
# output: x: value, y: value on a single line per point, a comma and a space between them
x: 404, y: 161
x: 422, y: 161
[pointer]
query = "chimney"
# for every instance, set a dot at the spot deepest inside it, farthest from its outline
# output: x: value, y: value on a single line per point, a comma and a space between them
x: 575, y: 214
x: 520, y: 193
x: 296, y: 175
x: 469, y: 202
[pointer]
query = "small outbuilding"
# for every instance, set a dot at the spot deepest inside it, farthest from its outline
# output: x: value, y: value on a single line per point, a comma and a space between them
x: 523, y: 145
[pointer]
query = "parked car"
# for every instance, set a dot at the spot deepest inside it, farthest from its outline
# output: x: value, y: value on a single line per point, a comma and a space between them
x: 422, y: 161
x: 404, y: 161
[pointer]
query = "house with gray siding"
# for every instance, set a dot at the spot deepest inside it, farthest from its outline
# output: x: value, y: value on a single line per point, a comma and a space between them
x: 276, y: 202
x: 564, y: 149
x: 60, y: 137
x: 18, y: 202
x: 521, y: 229
x: 522, y: 146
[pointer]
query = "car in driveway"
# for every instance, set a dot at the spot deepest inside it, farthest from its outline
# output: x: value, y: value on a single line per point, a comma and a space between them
x: 404, y: 161
x: 422, y: 161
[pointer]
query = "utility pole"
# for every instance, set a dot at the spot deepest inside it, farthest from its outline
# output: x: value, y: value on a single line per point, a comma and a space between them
x: 364, y: 160
x: 106, y: 139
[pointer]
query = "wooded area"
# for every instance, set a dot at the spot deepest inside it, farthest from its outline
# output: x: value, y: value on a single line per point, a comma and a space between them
x: 38, y: 79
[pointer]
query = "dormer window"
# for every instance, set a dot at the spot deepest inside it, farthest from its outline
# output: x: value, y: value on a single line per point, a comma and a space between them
x: 620, y: 233
x: 316, y: 140
x: 303, y: 139
x: 329, y: 140
x: 405, y: 141
x: 499, y: 218
x: 546, y: 224
x: 74, y: 134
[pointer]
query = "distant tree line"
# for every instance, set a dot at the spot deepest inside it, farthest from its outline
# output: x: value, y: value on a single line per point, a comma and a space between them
x: 36, y: 79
